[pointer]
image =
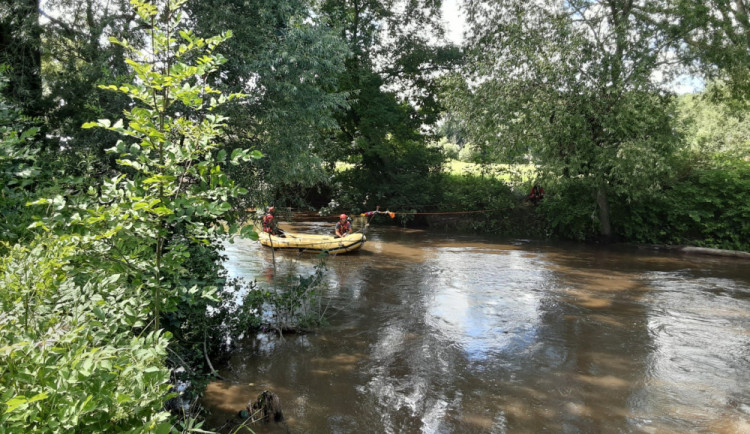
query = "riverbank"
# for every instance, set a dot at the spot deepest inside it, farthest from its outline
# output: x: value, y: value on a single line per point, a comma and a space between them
x: 525, y: 221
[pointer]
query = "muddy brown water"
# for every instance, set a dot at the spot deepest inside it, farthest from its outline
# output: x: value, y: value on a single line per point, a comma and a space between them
x: 440, y: 333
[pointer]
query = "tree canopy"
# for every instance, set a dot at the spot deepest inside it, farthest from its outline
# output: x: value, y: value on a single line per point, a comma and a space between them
x: 568, y: 86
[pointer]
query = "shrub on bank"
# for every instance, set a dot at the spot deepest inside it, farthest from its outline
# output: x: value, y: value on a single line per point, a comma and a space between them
x: 707, y: 207
x: 407, y: 180
x: 485, y: 204
x: 566, y: 214
x: 70, y: 361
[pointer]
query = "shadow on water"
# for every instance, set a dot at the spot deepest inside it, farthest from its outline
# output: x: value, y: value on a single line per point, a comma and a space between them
x: 439, y: 333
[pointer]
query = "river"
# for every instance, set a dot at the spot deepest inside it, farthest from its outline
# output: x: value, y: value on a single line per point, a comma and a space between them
x: 441, y: 333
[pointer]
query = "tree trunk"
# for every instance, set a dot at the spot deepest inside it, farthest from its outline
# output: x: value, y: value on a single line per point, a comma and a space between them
x: 605, y: 228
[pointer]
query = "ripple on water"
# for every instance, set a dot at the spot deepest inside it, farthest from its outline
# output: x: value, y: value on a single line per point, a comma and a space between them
x: 486, y: 309
x: 700, y: 365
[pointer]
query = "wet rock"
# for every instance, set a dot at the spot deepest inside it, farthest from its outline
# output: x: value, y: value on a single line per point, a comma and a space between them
x: 178, y: 405
x: 266, y: 408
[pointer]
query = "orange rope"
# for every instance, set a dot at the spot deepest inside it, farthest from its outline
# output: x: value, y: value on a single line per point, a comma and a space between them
x: 446, y: 212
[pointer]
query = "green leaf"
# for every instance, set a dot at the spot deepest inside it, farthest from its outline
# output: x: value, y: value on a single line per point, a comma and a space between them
x: 14, y: 403
x: 163, y: 428
x: 88, y: 405
x: 20, y: 400
x: 162, y: 211
x: 249, y: 233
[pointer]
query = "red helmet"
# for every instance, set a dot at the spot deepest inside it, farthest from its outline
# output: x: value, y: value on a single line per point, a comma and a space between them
x: 342, y: 217
x: 271, y: 209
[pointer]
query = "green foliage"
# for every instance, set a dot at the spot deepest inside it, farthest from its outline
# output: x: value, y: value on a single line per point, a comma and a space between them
x: 146, y: 238
x: 247, y: 315
x: 708, y: 36
x: 499, y: 206
x: 453, y: 128
x: 296, y: 303
x: 18, y: 171
x: 20, y: 49
x: 77, y: 56
x: 711, y: 127
x: 570, y: 211
x: 545, y: 88
x: 69, y: 361
x: 173, y: 188
x: 706, y: 207
x: 449, y: 149
x: 402, y: 175
x: 290, y: 57
x: 469, y: 153
x: 472, y: 192
x: 391, y: 76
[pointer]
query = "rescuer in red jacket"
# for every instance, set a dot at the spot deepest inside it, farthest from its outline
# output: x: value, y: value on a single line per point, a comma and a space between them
x: 536, y: 194
x: 343, y: 227
x: 269, y: 223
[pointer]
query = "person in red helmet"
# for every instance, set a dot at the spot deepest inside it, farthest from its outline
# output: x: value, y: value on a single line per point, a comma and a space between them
x: 343, y: 227
x: 269, y: 223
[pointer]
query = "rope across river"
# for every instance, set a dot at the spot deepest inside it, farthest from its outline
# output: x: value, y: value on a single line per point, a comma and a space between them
x: 370, y: 215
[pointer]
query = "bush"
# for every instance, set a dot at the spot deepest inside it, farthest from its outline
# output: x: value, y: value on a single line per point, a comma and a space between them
x: 569, y: 212
x: 84, y: 349
x: 408, y: 180
x: 70, y: 361
x: 450, y: 150
x: 708, y: 207
x: 469, y: 195
x: 468, y: 153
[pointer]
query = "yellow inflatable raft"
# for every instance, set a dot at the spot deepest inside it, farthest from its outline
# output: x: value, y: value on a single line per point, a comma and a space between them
x: 313, y: 243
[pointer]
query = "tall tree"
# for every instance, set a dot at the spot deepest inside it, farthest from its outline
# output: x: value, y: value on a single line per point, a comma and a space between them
x: 568, y: 86
x: 78, y: 56
x: 17, y: 171
x: 20, y: 48
x: 397, y: 52
x: 290, y: 58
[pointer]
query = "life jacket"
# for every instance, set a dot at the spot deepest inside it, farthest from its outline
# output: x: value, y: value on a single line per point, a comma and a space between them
x: 536, y: 191
x: 343, y: 228
x: 268, y: 223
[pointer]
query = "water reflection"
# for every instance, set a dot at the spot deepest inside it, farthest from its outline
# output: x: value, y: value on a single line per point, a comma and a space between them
x: 484, y: 308
x: 435, y: 333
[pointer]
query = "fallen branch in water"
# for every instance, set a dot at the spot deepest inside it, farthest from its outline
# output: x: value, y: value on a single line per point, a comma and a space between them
x: 692, y: 250
x: 205, y: 353
x: 715, y: 252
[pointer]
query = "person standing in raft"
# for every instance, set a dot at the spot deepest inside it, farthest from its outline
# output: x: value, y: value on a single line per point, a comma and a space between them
x: 269, y: 223
x: 343, y: 227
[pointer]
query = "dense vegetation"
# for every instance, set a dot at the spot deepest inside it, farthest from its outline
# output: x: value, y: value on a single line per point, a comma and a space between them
x: 135, y: 136
x: 575, y: 90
